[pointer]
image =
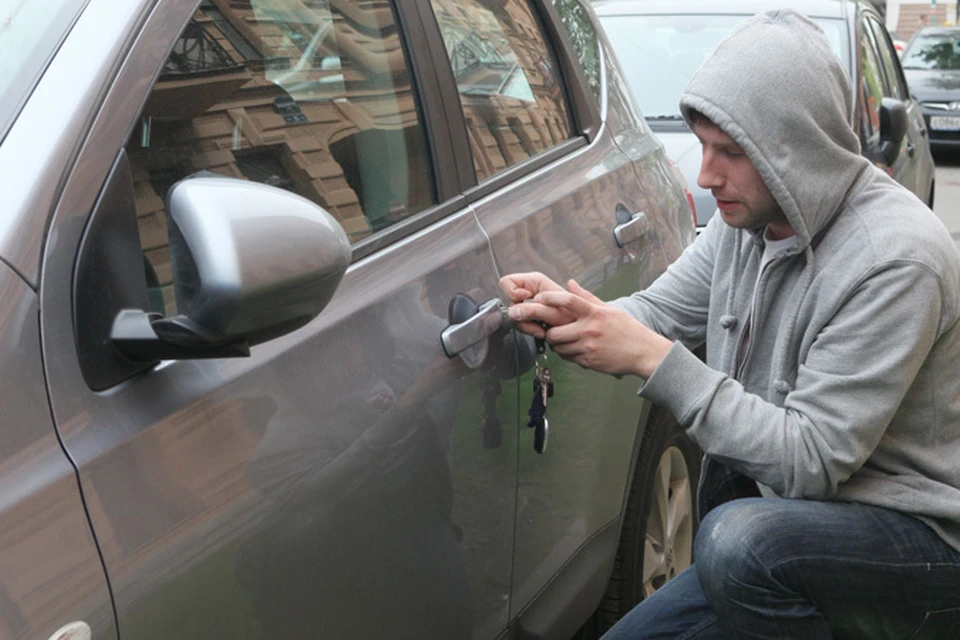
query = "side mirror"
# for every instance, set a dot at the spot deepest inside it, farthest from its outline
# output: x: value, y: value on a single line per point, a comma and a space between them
x: 251, y: 262
x: 893, y: 128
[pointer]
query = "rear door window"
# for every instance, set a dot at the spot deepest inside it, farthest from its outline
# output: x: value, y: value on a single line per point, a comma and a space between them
x: 893, y: 79
x: 510, y: 87
x: 872, y: 87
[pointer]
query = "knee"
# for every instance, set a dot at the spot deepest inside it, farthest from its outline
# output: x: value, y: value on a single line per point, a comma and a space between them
x: 735, y: 544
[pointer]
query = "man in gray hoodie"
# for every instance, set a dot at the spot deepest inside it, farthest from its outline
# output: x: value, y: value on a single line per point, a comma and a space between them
x: 828, y: 298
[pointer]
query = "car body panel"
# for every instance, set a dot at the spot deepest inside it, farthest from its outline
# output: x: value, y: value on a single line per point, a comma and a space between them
x: 41, y: 146
x: 684, y: 149
x: 50, y: 569
x: 348, y: 478
x: 913, y: 166
x: 221, y: 461
x: 553, y: 221
x: 936, y: 89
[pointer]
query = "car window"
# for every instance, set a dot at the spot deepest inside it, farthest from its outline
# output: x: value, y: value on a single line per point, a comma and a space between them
x: 299, y: 95
x: 872, y: 86
x: 893, y: 82
x: 30, y: 33
x: 933, y: 51
x: 583, y: 36
x: 510, y: 87
x: 660, y: 53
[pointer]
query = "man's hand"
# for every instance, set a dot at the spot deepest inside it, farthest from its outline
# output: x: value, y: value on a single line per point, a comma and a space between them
x: 524, y: 286
x: 595, y: 335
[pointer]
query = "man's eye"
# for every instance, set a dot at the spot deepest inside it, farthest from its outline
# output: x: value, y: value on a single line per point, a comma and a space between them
x: 734, y: 152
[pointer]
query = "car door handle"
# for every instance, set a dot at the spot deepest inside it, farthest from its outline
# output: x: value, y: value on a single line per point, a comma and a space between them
x: 631, y: 229
x: 911, y: 149
x: 487, y: 320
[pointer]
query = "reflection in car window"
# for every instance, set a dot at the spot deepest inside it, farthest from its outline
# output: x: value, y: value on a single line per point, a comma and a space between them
x: 313, y: 96
x: 872, y: 87
x: 30, y: 33
x: 933, y: 51
x: 583, y: 36
x: 660, y: 53
x: 510, y: 87
x: 892, y: 85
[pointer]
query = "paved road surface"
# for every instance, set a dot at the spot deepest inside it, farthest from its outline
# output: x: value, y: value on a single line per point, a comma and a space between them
x: 946, y: 199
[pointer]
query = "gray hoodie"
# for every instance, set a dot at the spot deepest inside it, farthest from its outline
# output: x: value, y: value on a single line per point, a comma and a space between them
x: 850, y: 387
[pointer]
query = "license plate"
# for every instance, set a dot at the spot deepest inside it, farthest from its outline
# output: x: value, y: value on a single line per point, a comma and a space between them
x: 945, y: 123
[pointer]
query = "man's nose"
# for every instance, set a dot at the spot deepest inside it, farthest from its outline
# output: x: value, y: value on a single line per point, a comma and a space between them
x: 709, y: 177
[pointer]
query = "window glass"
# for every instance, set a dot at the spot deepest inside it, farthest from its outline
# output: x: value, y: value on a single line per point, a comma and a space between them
x: 583, y: 36
x: 510, y: 87
x: 893, y: 84
x: 934, y: 50
x: 872, y: 87
x: 29, y: 35
x: 660, y: 53
x: 310, y: 96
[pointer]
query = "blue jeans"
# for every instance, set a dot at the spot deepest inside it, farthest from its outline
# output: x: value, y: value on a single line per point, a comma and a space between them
x: 799, y: 569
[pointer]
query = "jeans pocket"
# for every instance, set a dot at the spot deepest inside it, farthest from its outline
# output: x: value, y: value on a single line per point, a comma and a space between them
x: 938, y: 625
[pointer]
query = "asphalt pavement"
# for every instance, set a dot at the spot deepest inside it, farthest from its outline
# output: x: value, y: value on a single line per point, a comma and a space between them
x: 946, y: 198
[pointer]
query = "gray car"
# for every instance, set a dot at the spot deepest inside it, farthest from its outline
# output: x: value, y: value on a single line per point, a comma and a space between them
x: 257, y: 379
x: 661, y: 43
x: 931, y: 61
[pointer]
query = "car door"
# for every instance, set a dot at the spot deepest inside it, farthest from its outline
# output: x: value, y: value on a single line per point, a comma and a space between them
x: 916, y: 169
x: 349, y: 479
x: 882, y: 78
x: 552, y: 186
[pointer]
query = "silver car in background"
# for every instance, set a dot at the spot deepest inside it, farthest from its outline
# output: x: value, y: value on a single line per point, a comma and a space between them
x: 257, y: 381
x: 661, y: 43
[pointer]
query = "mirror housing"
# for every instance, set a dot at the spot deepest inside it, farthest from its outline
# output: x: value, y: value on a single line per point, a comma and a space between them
x: 893, y: 128
x: 251, y: 262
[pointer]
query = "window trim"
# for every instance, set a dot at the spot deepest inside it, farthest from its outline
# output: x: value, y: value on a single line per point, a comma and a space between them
x: 584, y: 111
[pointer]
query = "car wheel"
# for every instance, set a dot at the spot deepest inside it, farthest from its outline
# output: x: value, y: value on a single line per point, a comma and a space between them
x: 656, y: 541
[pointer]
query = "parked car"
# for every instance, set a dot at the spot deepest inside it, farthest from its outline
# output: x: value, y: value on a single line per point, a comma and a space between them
x: 258, y: 378
x: 661, y: 43
x: 932, y: 64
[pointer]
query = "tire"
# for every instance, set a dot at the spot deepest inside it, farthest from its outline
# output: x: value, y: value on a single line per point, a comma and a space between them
x: 653, y: 548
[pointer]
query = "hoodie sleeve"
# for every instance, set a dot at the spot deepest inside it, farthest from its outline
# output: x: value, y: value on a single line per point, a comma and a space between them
x: 677, y: 303
x: 849, y: 385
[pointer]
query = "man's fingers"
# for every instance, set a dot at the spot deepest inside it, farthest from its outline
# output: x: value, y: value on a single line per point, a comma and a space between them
x: 575, y: 288
x: 577, y: 306
x: 537, y: 312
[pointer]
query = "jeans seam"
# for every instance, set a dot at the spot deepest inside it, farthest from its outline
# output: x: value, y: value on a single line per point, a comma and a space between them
x: 689, y: 633
x: 863, y: 563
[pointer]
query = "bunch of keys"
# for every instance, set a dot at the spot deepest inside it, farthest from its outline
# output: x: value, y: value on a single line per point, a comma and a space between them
x: 542, y: 391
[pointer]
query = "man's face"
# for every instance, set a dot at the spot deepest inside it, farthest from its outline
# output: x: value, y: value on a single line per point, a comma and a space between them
x: 742, y: 196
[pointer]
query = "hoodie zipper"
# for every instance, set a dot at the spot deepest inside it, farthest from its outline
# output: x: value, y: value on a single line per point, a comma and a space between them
x: 752, y: 320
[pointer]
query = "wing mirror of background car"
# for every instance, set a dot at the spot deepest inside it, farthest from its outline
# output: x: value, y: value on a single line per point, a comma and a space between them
x: 251, y: 262
x: 893, y: 127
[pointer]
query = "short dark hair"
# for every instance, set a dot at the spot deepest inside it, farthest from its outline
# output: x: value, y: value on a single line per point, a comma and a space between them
x: 696, y: 117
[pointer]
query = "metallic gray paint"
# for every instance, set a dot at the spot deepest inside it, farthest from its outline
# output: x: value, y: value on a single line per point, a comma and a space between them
x: 684, y: 149
x: 263, y: 256
x: 281, y: 477
x: 244, y: 494
x: 560, y: 220
x: 50, y: 571
x: 47, y: 134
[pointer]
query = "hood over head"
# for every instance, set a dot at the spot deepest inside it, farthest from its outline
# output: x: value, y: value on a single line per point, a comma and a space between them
x: 776, y: 87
